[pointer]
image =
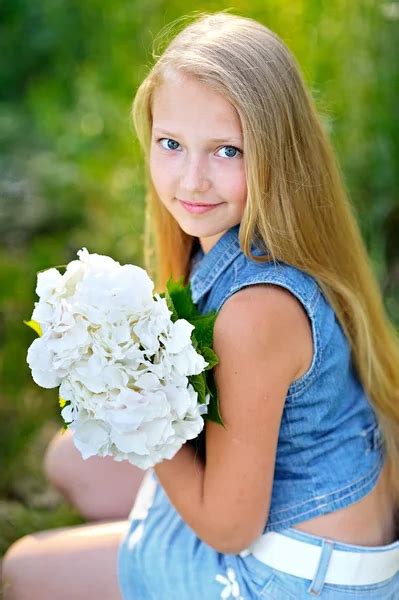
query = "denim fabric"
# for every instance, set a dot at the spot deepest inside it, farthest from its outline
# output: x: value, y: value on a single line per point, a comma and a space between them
x: 330, y: 450
x: 161, y: 558
x: 330, y: 453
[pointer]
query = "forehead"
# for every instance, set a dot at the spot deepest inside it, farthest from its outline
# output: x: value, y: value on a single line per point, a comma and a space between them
x: 184, y: 101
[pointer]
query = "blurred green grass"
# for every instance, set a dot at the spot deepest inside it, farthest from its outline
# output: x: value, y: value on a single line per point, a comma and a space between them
x: 72, y: 176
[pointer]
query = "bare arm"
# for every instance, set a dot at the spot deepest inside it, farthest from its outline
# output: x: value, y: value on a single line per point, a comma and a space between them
x: 259, y: 336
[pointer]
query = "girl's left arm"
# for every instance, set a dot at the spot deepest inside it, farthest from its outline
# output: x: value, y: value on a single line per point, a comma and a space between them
x: 260, y: 336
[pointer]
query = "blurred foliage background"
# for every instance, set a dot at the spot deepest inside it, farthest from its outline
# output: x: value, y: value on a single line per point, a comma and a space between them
x: 71, y: 170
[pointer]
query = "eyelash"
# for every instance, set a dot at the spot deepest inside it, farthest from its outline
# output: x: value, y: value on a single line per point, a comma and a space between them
x: 171, y: 149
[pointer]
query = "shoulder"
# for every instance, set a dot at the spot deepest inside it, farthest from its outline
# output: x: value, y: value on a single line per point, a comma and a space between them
x: 250, y: 272
x: 265, y: 320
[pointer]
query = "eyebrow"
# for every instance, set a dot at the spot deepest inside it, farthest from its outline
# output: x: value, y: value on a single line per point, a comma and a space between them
x: 213, y: 140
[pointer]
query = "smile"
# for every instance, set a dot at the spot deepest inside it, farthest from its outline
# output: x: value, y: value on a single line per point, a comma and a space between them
x: 198, y: 208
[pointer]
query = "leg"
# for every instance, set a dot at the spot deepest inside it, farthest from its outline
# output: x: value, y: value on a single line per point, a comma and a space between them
x: 100, y: 488
x: 71, y: 562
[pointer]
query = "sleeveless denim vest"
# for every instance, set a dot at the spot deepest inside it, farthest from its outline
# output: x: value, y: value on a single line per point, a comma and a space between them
x: 330, y: 449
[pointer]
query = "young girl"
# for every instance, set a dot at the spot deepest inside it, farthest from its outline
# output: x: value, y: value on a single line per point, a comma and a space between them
x: 297, y: 495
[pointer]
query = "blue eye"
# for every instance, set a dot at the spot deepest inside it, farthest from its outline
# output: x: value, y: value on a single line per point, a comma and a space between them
x: 234, y: 149
x: 172, y: 145
x: 168, y: 146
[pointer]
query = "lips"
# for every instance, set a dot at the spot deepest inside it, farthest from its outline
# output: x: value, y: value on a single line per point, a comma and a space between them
x: 197, y: 209
x: 196, y: 203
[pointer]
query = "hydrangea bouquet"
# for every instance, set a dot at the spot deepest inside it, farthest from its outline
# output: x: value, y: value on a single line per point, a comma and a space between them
x: 134, y: 369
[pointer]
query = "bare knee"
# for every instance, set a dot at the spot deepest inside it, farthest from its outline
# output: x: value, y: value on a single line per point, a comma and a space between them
x: 68, y: 562
x: 98, y: 487
x: 67, y: 472
x: 17, y: 580
x: 57, y: 463
x: 62, y: 466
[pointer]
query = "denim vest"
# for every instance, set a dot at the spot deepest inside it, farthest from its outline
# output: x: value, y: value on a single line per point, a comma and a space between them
x: 330, y: 449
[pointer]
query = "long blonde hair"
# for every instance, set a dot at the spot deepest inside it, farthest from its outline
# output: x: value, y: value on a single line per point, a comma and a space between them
x: 296, y: 205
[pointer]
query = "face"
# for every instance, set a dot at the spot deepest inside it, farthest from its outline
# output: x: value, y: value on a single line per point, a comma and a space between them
x: 197, y: 157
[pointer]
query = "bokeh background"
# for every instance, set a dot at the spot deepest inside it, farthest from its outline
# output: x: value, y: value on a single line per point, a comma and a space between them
x: 71, y: 171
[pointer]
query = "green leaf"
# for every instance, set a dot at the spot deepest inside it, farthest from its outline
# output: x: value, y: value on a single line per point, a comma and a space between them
x: 35, y: 326
x: 180, y: 303
x: 182, y: 299
x: 210, y: 356
x: 199, y: 384
x: 171, y: 306
x: 213, y: 413
x: 203, y: 331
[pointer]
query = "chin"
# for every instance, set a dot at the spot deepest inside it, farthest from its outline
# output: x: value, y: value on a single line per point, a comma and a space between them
x: 202, y: 230
x: 207, y: 232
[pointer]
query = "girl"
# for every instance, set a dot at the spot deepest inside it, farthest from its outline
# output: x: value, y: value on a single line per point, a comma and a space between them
x: 296, y: 497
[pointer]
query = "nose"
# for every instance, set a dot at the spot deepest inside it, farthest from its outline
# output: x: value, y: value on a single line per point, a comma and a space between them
x: 194, y: 177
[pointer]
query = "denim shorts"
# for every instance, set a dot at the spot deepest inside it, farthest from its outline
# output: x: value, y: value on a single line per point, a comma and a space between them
x: 279, y: 585
x: 161, y: 558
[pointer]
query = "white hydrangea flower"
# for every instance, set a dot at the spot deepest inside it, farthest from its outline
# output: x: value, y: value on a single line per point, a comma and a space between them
x: 121, y: 363
x: 47, y: 283
x: 40, y: 360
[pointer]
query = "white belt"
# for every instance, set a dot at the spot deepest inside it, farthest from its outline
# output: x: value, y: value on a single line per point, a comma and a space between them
x: 301, y: 559
x: 296, y: 557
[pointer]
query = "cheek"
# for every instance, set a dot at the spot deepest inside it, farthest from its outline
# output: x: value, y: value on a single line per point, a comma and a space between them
x: 159, y: 175
x: 243, y: 190
x: 240, y: 187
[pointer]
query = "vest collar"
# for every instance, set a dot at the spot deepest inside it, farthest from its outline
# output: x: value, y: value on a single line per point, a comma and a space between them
x: 208, y: 267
